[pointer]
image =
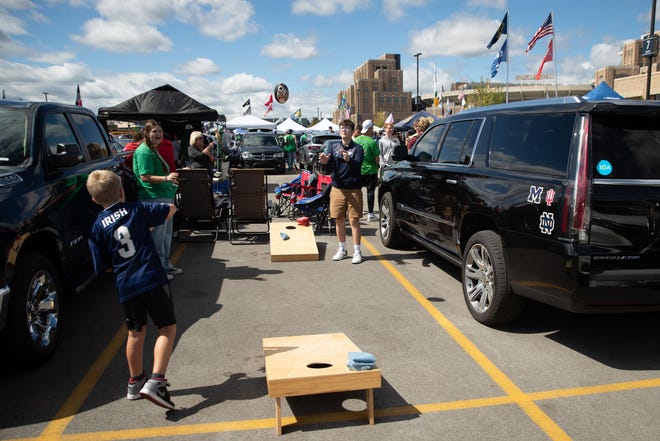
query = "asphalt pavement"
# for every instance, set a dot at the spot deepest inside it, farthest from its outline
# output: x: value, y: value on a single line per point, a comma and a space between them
x: 551, y: 375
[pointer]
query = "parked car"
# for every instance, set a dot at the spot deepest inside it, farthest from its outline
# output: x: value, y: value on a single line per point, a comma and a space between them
x: 258, y: 149
x: 47, y: 150
x: 308, y: 153
x: 554, y: 200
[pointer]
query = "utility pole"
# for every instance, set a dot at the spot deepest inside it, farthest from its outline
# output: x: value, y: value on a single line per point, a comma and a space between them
x: 417, y: 96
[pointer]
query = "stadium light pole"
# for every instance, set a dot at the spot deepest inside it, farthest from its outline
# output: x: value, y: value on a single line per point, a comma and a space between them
x: 417, y: 96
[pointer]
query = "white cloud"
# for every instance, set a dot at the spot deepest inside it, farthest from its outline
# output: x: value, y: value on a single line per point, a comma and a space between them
x: 200, y: 67
x: 458, y: 35
x: 290, y: 46
x: 12, y: 24
x: 328, y: 7
x: 396, y: 9
x: 53, y: 57
x: 606, y: 54
x: 122, y: 36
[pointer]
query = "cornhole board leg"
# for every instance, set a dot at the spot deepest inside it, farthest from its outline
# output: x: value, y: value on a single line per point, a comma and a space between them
x: 278, y: 416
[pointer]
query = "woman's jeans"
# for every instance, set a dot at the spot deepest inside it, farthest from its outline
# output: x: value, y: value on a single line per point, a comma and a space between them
x: 162, y: 236
x: 290, y: 158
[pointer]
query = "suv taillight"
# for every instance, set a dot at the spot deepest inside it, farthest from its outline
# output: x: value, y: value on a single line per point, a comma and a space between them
x: 576, y: 213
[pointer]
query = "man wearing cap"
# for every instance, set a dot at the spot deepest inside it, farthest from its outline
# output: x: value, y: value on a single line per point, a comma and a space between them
x: 369, y: 164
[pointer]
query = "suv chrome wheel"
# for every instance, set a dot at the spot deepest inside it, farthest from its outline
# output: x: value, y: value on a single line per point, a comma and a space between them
x: 479, y: 278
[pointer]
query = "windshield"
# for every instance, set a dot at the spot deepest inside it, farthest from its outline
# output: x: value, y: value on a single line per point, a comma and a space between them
x: 252, y: 141
x: 14, y: 148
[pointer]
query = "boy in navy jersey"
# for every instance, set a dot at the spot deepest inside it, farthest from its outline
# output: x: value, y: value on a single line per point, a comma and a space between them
x: 121, y: 239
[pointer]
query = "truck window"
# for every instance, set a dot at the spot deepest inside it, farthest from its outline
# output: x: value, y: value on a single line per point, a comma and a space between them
x: 14, y: 142
x: 57, y: 131
x: 92, y: 137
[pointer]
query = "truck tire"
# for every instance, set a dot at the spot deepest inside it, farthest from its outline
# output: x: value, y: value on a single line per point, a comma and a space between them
x: 486, y: 287
x: 34, y: 309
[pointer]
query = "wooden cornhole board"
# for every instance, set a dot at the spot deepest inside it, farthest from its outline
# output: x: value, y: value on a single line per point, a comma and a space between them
x: 301, y: 244
x: 314, y: 364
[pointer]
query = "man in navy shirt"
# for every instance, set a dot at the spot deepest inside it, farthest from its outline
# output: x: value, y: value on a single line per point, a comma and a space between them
x: 120, y: 239
x: 344, y: 159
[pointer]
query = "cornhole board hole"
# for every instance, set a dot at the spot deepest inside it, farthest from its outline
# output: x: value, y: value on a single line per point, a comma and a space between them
x: 314, y: 364
x: 301, y: 244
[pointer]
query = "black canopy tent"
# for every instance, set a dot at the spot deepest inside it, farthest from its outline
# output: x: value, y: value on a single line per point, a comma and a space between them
x: 164, y: 103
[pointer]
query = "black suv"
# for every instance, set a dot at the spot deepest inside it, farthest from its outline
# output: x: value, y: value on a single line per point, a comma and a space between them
x: 258, y: 149
x: 47, y: 150
x: 555, y: 200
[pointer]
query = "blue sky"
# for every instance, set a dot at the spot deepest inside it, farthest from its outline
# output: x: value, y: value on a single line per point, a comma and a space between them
x: 222, y: 52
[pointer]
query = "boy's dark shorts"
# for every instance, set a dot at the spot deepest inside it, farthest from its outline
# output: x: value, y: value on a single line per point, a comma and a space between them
x: 157, y: 303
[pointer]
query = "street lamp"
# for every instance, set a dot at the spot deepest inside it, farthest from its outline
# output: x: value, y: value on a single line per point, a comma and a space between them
x: 417, y: 96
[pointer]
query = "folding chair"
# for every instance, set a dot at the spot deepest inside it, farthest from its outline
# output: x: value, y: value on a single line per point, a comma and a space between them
x: 317, y: 207
x: 249, y: 201
x: 198, y: 210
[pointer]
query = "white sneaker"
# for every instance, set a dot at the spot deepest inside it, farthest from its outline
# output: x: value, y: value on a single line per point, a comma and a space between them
x: 340, y: 254
x: 371, y: 217
x: 357, y: 257
x: 170, y: 276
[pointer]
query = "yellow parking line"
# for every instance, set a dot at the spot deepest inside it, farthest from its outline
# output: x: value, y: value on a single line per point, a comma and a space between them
x: 509, y: 387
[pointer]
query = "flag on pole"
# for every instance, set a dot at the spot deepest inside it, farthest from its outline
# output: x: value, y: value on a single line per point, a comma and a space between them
x: 78, y: 97
x: 501, y: 30
x: 297, y: 114
x: 546, y: 29
x: 247, y: 102
x: 342, y: 103
x: 435, y: 88
x: 389, y: 119
x: 248, y: 111
x: 501, y: 56
x: 546, y: 58
x: 269, y: 104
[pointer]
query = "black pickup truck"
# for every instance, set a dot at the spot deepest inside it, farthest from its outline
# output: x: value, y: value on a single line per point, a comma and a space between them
x: 47, y: 150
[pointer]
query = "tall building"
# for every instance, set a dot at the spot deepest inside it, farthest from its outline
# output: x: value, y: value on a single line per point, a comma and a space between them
x: 630, y: 78
x: 377, y: 90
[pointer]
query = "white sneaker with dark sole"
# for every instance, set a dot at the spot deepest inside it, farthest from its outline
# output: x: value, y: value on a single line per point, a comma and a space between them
x: 135, y: 388
x: 340, y: 254
x: 156, y: 392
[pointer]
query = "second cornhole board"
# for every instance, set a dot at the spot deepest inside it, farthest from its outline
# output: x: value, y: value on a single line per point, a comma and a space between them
x: 300, y: 245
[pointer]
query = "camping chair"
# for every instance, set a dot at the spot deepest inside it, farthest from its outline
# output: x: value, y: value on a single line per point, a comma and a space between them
x: 285, y: 196
x: 198, y: 209
x: 317, y: 207
x: 249, y: 201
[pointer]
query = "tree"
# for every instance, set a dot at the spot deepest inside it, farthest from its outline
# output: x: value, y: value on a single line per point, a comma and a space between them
x: 486, y: 95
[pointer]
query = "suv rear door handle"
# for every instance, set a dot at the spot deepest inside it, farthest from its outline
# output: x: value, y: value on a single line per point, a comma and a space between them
x: 451, y: 181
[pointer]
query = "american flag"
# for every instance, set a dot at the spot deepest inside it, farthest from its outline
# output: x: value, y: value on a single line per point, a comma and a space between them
x: 544, y: 30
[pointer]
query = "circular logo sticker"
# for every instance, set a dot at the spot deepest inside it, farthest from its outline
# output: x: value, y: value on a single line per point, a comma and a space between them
x: 604, y: 167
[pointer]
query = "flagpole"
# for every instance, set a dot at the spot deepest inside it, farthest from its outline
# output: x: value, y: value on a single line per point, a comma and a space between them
x: 554, y: 49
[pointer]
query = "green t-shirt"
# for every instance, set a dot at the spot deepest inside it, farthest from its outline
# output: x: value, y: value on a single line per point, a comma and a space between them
x: 289, y: 143
x: 148, y: 162
x: 371, y: 152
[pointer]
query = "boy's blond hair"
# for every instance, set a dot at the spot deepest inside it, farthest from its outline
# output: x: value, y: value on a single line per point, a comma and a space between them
x: 105, y: 187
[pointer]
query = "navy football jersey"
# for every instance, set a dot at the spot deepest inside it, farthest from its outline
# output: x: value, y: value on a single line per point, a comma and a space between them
x: 121, y: 239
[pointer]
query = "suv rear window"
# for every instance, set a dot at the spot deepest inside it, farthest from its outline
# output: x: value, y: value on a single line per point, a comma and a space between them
x: 625, y: 147
x: 532, y: 143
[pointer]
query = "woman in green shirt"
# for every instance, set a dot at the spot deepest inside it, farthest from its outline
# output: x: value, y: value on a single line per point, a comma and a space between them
x: 156, y: 183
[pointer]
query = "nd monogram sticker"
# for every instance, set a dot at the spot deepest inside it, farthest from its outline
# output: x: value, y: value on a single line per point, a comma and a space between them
x: 547, y: 222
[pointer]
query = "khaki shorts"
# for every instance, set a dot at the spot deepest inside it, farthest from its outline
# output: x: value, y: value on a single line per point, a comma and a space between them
x: 342, y: 199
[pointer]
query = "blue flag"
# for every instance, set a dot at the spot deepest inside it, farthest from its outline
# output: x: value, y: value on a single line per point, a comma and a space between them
x: 501, y: 30
x: 501, y: 56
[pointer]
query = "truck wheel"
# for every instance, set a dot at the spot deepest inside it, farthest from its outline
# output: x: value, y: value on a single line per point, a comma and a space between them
x: 486, y: 288
x: 34, y: 309
x: 390, y: 234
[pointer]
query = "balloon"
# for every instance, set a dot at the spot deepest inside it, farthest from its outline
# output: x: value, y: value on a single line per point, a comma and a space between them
x: 281, y: 93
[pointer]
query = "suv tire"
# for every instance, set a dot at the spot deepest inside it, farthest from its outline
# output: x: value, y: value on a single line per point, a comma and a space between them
x: 35, y: 307
x: 486, y: 288
x: 388, y: 229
